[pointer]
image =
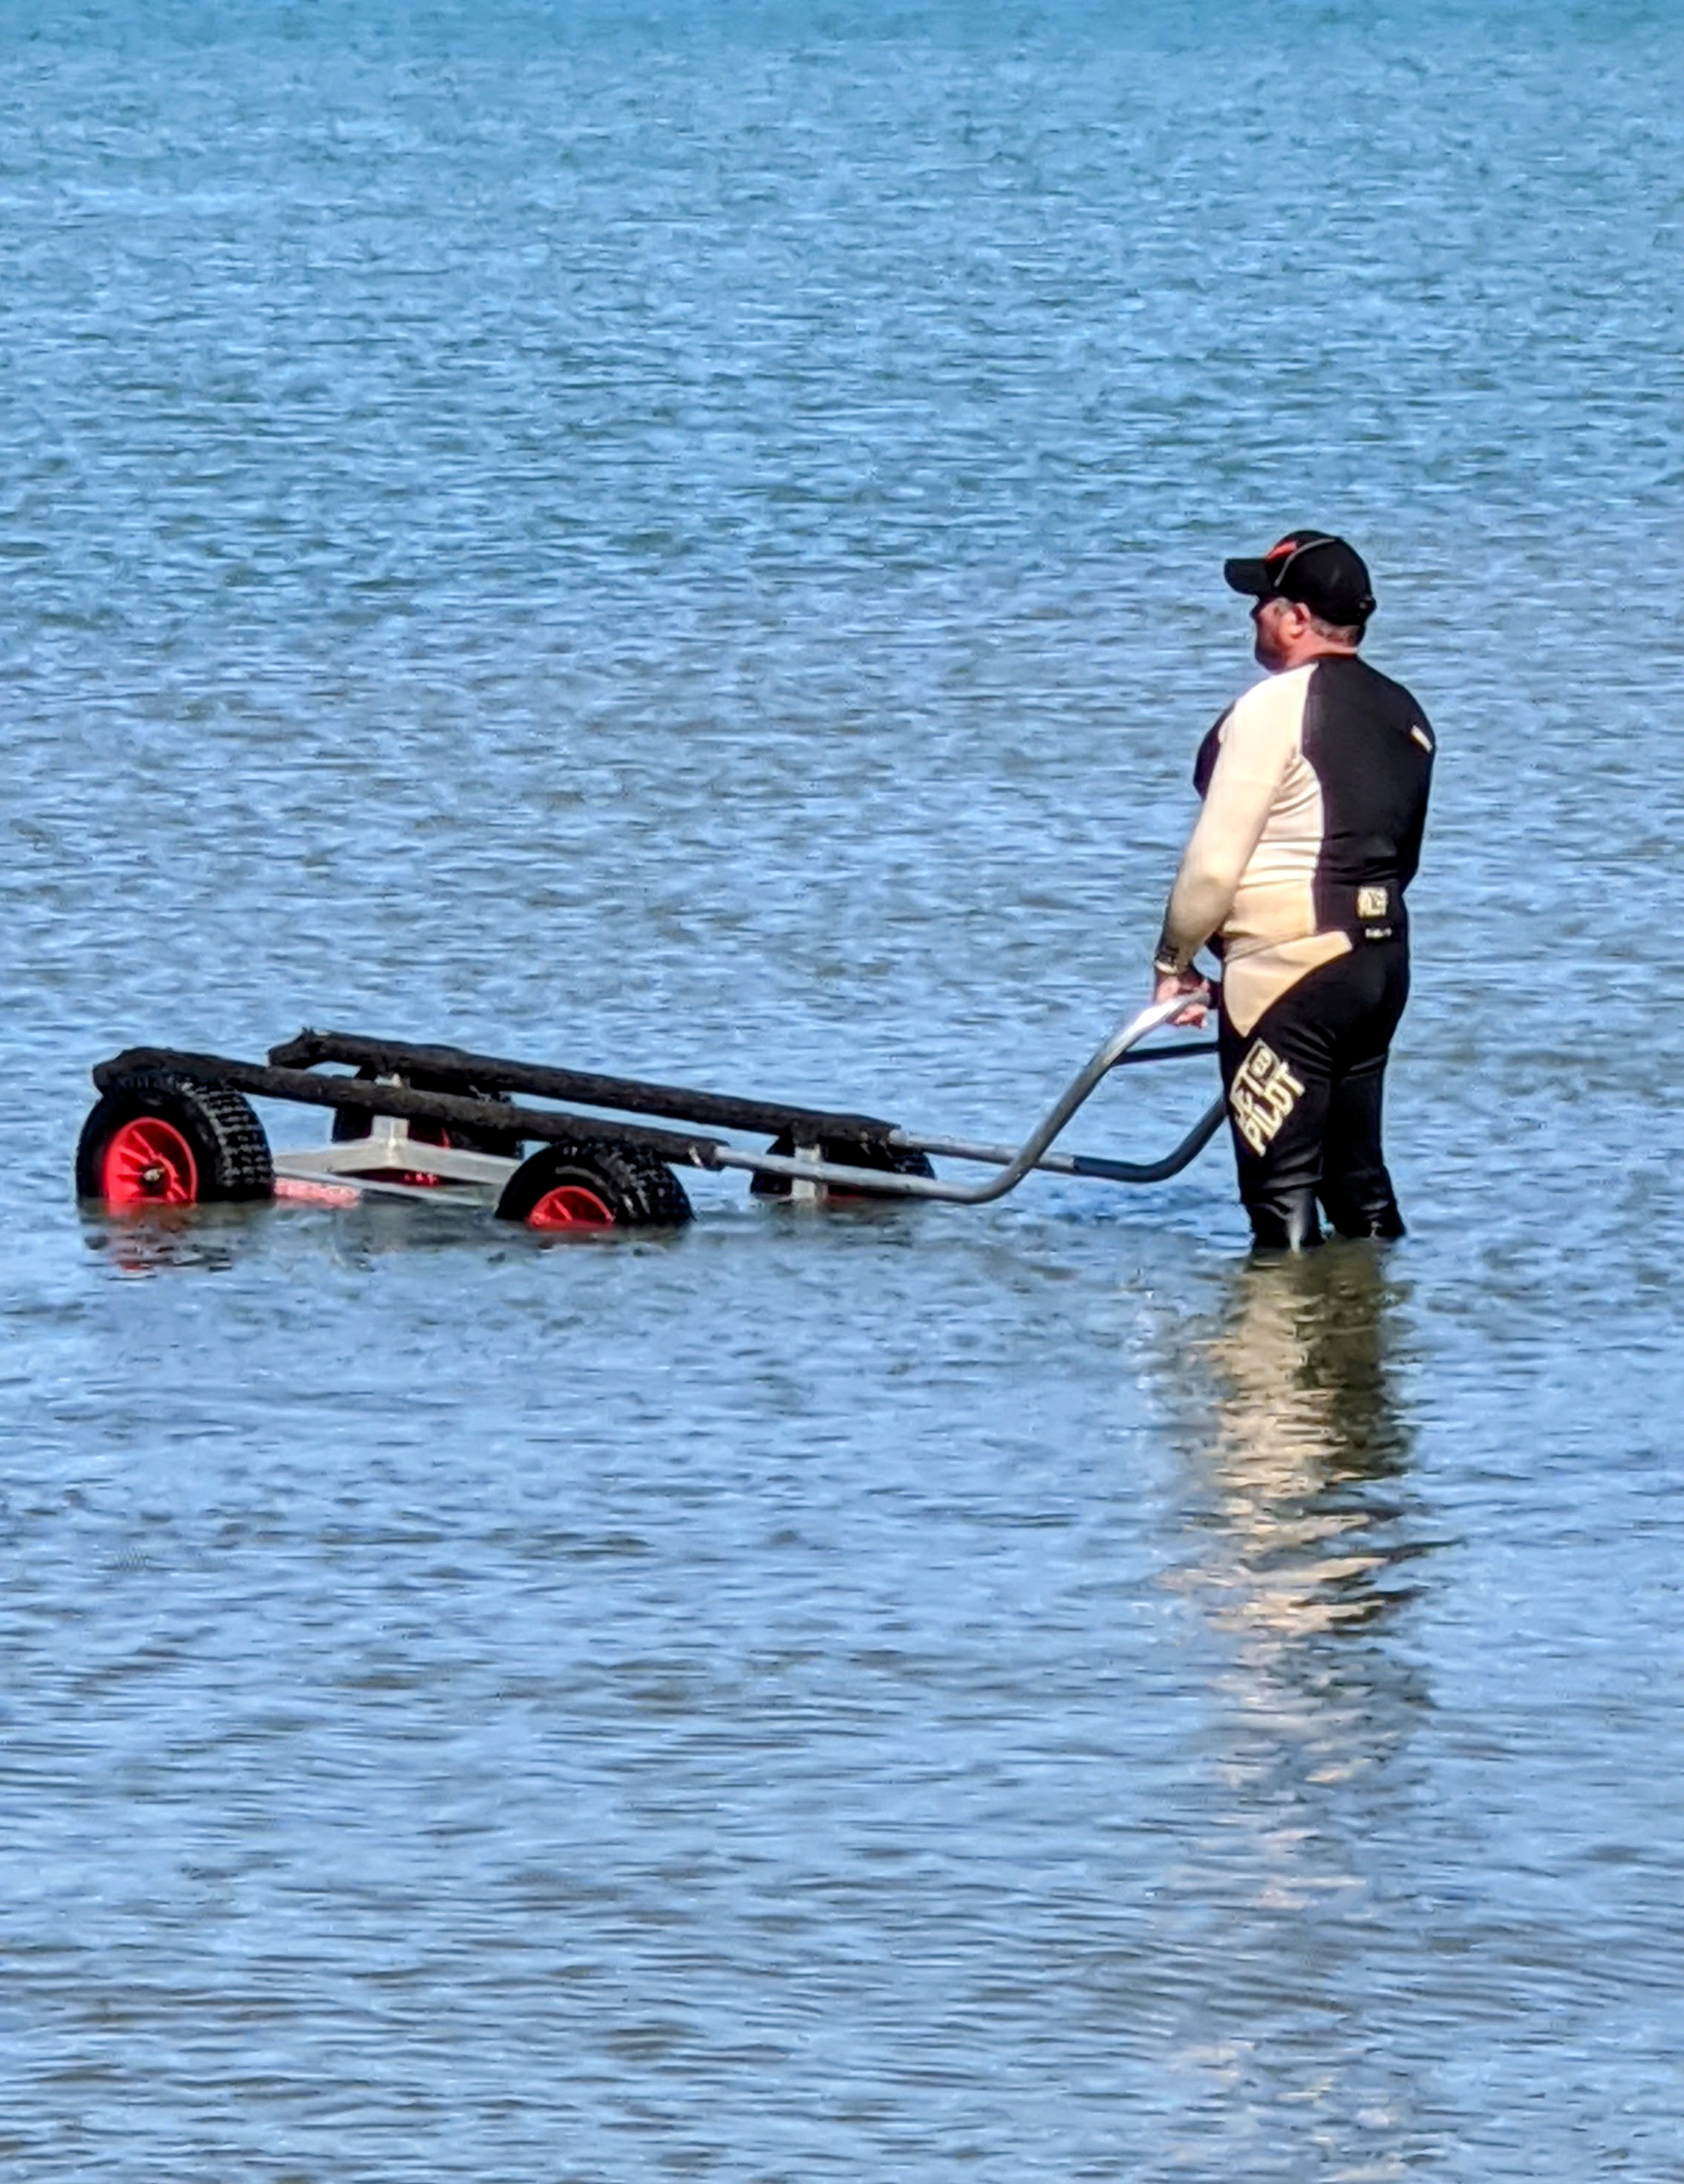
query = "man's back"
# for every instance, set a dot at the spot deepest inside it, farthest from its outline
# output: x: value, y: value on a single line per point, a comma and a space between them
x: 1371, y: 750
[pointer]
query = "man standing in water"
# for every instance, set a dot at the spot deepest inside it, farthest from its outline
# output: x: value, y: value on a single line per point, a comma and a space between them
x: 1315, y: 787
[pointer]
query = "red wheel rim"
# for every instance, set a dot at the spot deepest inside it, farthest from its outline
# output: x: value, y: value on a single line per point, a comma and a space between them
x: 571, y: 1206
x: 148, y: 1162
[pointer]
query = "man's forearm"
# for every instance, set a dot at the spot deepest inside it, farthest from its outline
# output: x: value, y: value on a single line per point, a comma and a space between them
x: 1200, y: 899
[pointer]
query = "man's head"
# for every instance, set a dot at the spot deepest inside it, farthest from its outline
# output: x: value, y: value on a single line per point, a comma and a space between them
x: 1312, y: 597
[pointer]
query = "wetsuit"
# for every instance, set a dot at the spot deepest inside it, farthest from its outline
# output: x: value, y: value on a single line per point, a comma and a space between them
x: 1315, y: 795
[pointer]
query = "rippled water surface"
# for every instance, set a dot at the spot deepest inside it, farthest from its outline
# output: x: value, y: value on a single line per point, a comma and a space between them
x: 688, y: 541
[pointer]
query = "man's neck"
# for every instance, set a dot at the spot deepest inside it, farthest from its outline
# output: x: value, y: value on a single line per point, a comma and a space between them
x: 1316, y: 648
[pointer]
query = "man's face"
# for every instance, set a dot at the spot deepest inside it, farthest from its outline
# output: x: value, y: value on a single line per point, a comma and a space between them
x: 1277, y: 624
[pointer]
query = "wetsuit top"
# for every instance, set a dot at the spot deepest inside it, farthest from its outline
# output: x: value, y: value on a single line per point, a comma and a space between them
x: 1315, y: 796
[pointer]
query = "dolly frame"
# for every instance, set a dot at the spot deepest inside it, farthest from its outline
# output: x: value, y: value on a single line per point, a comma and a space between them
x: 384, y: 1162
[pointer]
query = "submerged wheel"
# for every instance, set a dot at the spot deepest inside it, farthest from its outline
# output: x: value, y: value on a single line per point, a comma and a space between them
x: 585, y: 1183
x: 350, y: 1124
x: 156, y: 1138
x: 848, y: 1152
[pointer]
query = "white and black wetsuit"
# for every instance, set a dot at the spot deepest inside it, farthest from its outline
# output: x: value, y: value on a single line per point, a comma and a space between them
x: 1315, y: 795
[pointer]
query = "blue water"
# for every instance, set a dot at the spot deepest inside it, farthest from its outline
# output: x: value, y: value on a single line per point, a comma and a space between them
x: 687, y: 541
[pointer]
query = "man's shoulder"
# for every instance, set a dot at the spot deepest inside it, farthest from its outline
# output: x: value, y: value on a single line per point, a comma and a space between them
x: 1276, y: 701
x: 1349, y: 674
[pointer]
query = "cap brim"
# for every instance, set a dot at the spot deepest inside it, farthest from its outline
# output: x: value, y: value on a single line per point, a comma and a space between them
x: 1251, y: 577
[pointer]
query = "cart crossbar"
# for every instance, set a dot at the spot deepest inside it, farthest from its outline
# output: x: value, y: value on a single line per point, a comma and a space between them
x: 632, y: 1096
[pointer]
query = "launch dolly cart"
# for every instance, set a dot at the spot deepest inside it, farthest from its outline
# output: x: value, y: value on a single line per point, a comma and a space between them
x: 436, y: 1123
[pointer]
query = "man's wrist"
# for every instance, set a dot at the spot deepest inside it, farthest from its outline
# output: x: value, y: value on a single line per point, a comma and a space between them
x: 1168, y: 964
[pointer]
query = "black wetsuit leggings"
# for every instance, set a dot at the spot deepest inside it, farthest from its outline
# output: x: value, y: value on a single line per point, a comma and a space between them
x: 1303, y: 1088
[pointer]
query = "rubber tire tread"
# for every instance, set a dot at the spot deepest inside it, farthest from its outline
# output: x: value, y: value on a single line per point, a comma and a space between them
x: 351, y: 1123
x: 638, y: 1187
x: 886, y: 1160
x: 227, y: 1139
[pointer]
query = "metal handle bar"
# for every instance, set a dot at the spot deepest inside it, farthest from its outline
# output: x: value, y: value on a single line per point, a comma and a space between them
x: 1110, y: 1052
x: 1088, y: 1164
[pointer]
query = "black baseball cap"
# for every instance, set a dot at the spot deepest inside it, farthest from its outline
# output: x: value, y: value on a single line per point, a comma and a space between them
x: 1313, y: 568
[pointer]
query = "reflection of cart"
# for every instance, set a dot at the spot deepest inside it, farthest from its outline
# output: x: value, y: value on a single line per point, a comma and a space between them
x: 434, y: 1122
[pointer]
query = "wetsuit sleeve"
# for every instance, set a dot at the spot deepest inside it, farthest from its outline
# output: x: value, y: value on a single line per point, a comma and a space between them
x: 1257, y: 743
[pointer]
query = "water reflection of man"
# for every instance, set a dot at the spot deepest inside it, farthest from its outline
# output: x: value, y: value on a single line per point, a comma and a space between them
x: 1297, y: 1449
x: 1315, y: 787
x: 1307, y: 1429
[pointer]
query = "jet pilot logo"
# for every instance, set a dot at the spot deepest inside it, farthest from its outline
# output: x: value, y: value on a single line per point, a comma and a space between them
x: 1263, y: 1094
